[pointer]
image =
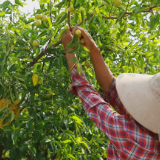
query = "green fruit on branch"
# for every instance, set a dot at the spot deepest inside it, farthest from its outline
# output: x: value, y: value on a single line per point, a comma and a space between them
x: 34, y: 44
x: 117, y: 2
x: 45, y: 19
x: 82, y: 40
x: 38, y: 23
x: 78, y: 32
x: 71, y: 9
x: 87, y: 64
x: 12, y: 47
x: 38, y: 16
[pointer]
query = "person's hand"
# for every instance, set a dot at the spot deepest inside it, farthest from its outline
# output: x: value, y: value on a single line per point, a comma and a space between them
x: 66, y: 38
x: 88, y: 41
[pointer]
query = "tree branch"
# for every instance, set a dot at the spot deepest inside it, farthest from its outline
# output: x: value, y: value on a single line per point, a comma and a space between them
x: 58, y: 31
x: 51, y: 10
x: 42, y: 53
x: 103, y: 16
x: 69, y: 23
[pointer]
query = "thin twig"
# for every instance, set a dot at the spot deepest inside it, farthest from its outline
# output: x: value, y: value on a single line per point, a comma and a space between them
x: 69, y: 22
x: 101, y: 6
x: 51, y: 10
x: 84, y: 20
x: 51, y: 22
x: 126, y: 9
x: 110, y: 10
x: 35, y: 60
x: 127, y: 5
x: 58, y: 31
x: 43, y: 66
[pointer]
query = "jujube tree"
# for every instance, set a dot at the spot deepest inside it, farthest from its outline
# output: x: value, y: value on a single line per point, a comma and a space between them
x: 40, y: 119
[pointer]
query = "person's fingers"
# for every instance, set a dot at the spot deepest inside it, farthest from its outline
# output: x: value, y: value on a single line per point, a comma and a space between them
x: 74, y: 29
x: 67, y: 31
x: 85, y: 33
x: 82, y: 30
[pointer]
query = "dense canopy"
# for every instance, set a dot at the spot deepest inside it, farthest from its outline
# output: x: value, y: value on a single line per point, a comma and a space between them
x: 40, y: 119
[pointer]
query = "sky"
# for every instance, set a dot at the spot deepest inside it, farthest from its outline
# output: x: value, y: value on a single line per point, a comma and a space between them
x: 26, y: 8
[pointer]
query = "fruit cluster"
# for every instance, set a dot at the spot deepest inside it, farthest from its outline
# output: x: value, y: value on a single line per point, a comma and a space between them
x: 38, y: 23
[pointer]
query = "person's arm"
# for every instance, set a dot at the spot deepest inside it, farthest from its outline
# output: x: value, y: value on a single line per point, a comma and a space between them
x: 112, y: 98
x: 66, y: 39
x: 103, y: 74
x: 98, y: 110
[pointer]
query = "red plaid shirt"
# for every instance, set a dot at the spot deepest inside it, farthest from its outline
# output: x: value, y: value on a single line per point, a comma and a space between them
x: 128, y: 139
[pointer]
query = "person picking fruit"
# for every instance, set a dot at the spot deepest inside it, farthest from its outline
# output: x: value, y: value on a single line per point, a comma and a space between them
x: 134, y: 128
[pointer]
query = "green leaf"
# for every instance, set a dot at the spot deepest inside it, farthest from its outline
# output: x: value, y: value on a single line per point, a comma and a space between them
x: 20, y: 3
x: 136, y: 11
x: 77, y: 119
x: 12, y: 116
x: 12, y: 68
x: 66, y: 141
x: 48, y: 140
x: 11, y: 97
x: 107, y: 1
x: 44, y: 1
x: 6, y: 119
x: 3, y: 108
x: 19, y: 78
x: 91, y: 21
x: 32, y: 151
x: 152, y: 36
x: 50, y: 23
x: 2, y: 14
x: 62, y: 19
x: 73, y: 42
x: 8, y: 129
x: 60, y: 4
x: 120, y: 15
x: 70, y: 156
x: 14, y: 137
x: 42, y: 33
x: 82, y: 15
x: 22, y: 99
x: 74, y: 50
x: 5, y: 4
x: 73, y: 60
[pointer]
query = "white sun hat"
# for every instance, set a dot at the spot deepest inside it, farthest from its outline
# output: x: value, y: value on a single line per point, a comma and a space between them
x: 140, y: 95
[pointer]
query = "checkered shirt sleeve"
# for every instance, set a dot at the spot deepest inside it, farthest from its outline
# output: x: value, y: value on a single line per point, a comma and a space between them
x: 97, y: 109
x: 112, y: 98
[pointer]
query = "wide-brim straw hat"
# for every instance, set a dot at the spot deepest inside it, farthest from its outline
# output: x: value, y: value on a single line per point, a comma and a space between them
x: 140, y: 95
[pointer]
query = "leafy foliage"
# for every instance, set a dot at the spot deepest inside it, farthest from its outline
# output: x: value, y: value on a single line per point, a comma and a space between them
x: 52, y: 123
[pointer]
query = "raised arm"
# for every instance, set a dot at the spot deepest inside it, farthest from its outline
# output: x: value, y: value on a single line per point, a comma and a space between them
x: 103, y: 74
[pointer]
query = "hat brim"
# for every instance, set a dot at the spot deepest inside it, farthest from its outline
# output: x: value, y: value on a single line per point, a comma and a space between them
x: 138, y: 99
